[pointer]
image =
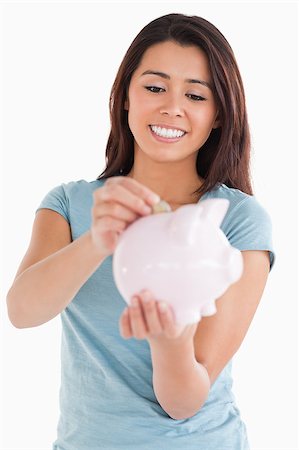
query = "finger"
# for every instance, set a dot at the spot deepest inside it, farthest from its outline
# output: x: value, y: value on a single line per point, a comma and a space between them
x: 104, y: 224
x: 151, y: 313
x: 115, y: 210
x: 167, y: 319
x: 118, y: 193
x: 124, y: 325
x: 137, y: 188
x: 137, y: 322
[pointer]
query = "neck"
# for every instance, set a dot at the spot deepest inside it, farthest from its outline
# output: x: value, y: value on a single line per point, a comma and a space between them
x: 173, y: 186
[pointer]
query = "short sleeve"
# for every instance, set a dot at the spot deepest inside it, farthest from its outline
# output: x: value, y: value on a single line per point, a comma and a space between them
x: 56, y: 200
x: 248, y: 226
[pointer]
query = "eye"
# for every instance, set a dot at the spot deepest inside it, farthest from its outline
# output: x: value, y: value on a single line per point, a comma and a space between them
x: 197, y: 98
x: 154, y: 89
x: 158, y: 90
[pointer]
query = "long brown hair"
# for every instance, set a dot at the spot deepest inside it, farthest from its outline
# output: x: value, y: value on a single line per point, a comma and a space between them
x: 225, y: 156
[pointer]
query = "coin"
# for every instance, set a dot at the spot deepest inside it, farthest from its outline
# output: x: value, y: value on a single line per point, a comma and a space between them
x: 160, y: 207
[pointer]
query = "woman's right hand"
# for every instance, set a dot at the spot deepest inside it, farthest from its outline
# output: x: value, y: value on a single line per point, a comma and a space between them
x: 116, y: 205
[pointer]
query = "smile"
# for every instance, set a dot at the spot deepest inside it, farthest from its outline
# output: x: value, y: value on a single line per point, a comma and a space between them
x: 167, y: 133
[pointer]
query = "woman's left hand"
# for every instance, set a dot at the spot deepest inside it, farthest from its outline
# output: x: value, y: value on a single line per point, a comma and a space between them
x: 148, y: 319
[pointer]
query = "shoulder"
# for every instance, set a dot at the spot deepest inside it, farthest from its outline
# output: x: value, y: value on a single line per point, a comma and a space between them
x: 241, y: 205
x: 82, y: 186
x: 247, y: 224
x: 235, y: 196
x: 66, y: 196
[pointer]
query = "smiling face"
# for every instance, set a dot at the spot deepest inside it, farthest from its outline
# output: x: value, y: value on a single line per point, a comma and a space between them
x: 171, y: 108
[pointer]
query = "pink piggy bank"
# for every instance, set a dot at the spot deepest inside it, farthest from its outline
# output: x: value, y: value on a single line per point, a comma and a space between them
x: 182, y: 257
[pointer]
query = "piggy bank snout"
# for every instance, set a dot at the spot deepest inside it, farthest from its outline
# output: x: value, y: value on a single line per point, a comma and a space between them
x: 235, y: 264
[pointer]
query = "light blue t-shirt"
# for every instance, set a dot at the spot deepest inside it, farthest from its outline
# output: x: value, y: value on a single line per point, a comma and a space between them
x: 107, y: 401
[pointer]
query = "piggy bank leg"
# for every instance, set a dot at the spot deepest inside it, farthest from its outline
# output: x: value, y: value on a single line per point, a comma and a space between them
x: 208, y: 309
x: 186, y: 317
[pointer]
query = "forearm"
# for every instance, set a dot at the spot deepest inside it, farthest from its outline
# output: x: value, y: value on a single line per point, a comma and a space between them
x: 44, y: 289
x: 180, y: 383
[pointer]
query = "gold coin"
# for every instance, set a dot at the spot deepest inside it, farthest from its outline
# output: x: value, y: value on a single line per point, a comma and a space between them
x: 160, y: 207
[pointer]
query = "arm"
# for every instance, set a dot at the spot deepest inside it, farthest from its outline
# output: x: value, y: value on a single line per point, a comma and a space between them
x: 52, y: 271
x: 219, y: 337
x: 183, y: 374
x: 180, y: 383
x: 55, y: 268
x: 186, y: 365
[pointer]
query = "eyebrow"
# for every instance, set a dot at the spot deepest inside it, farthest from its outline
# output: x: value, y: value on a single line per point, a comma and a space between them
x: 167, y: 77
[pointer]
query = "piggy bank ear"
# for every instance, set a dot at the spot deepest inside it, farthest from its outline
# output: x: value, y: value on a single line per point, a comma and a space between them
x: 214, y: 210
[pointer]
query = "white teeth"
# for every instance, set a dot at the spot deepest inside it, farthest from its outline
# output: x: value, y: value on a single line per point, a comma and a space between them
x: 167, y: 132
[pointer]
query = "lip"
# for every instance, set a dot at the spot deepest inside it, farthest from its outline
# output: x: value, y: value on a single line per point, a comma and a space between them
x: 163, y: 125
x: 166, y: 140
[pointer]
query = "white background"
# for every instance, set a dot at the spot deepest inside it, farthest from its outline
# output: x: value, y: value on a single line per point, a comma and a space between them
x: 59, y: 61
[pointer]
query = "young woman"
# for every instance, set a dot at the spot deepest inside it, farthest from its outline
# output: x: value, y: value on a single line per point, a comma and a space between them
x: 179, y: 132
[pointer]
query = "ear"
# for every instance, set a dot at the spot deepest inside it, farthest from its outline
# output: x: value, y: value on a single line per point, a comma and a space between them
x: 217, y: 122
x: 126, y: 106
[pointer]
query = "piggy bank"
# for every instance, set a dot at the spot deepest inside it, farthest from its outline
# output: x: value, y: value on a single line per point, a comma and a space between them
x: 182, y: 257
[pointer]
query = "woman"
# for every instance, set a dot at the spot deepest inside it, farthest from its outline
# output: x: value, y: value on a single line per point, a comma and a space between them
x: 179, y: 132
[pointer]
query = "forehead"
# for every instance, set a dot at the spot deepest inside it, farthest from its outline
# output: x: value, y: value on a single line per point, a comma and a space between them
x: 173, y: 58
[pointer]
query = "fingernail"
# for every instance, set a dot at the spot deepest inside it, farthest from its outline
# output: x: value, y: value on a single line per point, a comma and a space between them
x: 146, y: 296
x: 147, y: 209
x: 134, y: 302
x: 163, y: 306
x: 154, y: 198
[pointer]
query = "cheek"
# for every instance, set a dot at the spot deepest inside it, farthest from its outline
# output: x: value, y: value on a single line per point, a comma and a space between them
x: 204, y: 118
x: 138, y: 121
x: 137, y: 118
x: 139, y: 114
x: 142, y: 103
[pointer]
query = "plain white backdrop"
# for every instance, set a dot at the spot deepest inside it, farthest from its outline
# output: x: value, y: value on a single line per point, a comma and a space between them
x: 59, y: 62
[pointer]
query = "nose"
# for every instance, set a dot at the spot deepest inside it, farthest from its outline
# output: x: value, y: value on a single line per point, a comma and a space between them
x: 172, y: 106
